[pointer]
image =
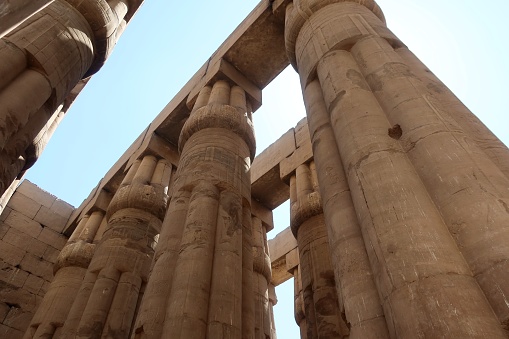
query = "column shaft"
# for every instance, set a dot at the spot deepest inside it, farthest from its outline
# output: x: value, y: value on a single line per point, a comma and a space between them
x: 150, y: 319
x: 262, y: 276
x: 248, y: 276
x: 415, y: 261
x: 120, y: 266
x: 469, y: 123
x: 395, y: 210
x: 468, y: 189
x: 357, y: 294
x: 70, y: 269
x: 300, y: 316
x: 321, y: 307
x: 212, y: 280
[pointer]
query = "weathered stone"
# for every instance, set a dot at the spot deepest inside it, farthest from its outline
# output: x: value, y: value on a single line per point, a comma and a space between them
x: 389, y: 185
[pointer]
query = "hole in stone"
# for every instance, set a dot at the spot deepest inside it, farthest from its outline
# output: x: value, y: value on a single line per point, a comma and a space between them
x: 395, y: 132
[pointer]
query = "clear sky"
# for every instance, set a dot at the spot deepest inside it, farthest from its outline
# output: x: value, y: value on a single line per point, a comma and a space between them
x: 464, y: 42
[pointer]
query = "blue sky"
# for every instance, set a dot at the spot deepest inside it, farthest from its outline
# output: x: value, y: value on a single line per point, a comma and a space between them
x: 464, y: 42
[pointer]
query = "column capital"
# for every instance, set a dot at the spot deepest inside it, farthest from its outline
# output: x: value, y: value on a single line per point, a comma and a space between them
x: 223, y: 107
x: 313, y: 28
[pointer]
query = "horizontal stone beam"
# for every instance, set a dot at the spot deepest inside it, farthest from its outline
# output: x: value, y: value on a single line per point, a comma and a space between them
x: 284, y: 256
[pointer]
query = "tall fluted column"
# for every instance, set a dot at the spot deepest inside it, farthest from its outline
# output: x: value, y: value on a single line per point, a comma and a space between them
x: 469, y: 190
x: 206, y: 244
x: 495, y: 149
x: 426, y: 287
x: 272, y: 303
x: 300, y: 316
x: 70, y: 269
x: 13, y: 13
x: 39, y: 68
x: 321, y: 308
x: 357, y: 294
x: 262, y: 276
x: 109, y: 295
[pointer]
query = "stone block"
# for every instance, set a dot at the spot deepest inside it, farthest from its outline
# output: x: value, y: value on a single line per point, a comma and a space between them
x: 3, y: 229
x: 25, y: 242
x: 11, y: 254
x: 24, y: 224
x: 37, y: 266
x: 301, y: 155
x: 21, y: 203
x: 12, y: 275
x: 37, y: 248
x: 33, y: 284
x: 4, y: 310
x: 18, y: 297
x: 43, y: 289
x: 302, y: 133
x: 52, y: 238
x: 51, y: 254
x: 18, y: 319
x: 292, y: 260
x: 273, y: 155
x: 35, y: 193
x: 17, y: 238
x: 282, y: 244
x: 10, y: 333
x: 48, y: 218
x: 5, y: 213
x: 62, y: 208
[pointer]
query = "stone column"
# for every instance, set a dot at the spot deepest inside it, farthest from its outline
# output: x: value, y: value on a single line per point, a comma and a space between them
x: 262, y: 275
x: 300, y: 316
x: 39, y: 68
x: 469, y: 190
x: 108, y: 299
x: 248, y: 275
x: 452, y: 106
x: 308, y: 226
x: 204, y: 294
x: 70, y: 269
x: 416, y: 263
x: 272, y: 303
x: 357, y: 294
x: 14, y: 13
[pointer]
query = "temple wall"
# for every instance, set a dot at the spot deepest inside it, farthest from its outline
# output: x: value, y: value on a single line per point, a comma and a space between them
x: 31, y: 238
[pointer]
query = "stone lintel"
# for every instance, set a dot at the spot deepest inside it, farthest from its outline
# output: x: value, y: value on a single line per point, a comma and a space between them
x: 283, y: 256
x: 223, y: 70
x: 292, y: 260
x: 267, y: 187
x: 303, y: 153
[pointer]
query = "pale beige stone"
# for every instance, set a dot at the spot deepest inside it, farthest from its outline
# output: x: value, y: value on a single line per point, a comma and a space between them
x: 21, y: 203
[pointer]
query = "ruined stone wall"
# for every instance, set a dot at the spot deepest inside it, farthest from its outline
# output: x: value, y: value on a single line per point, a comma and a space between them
x: 30, y: 240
